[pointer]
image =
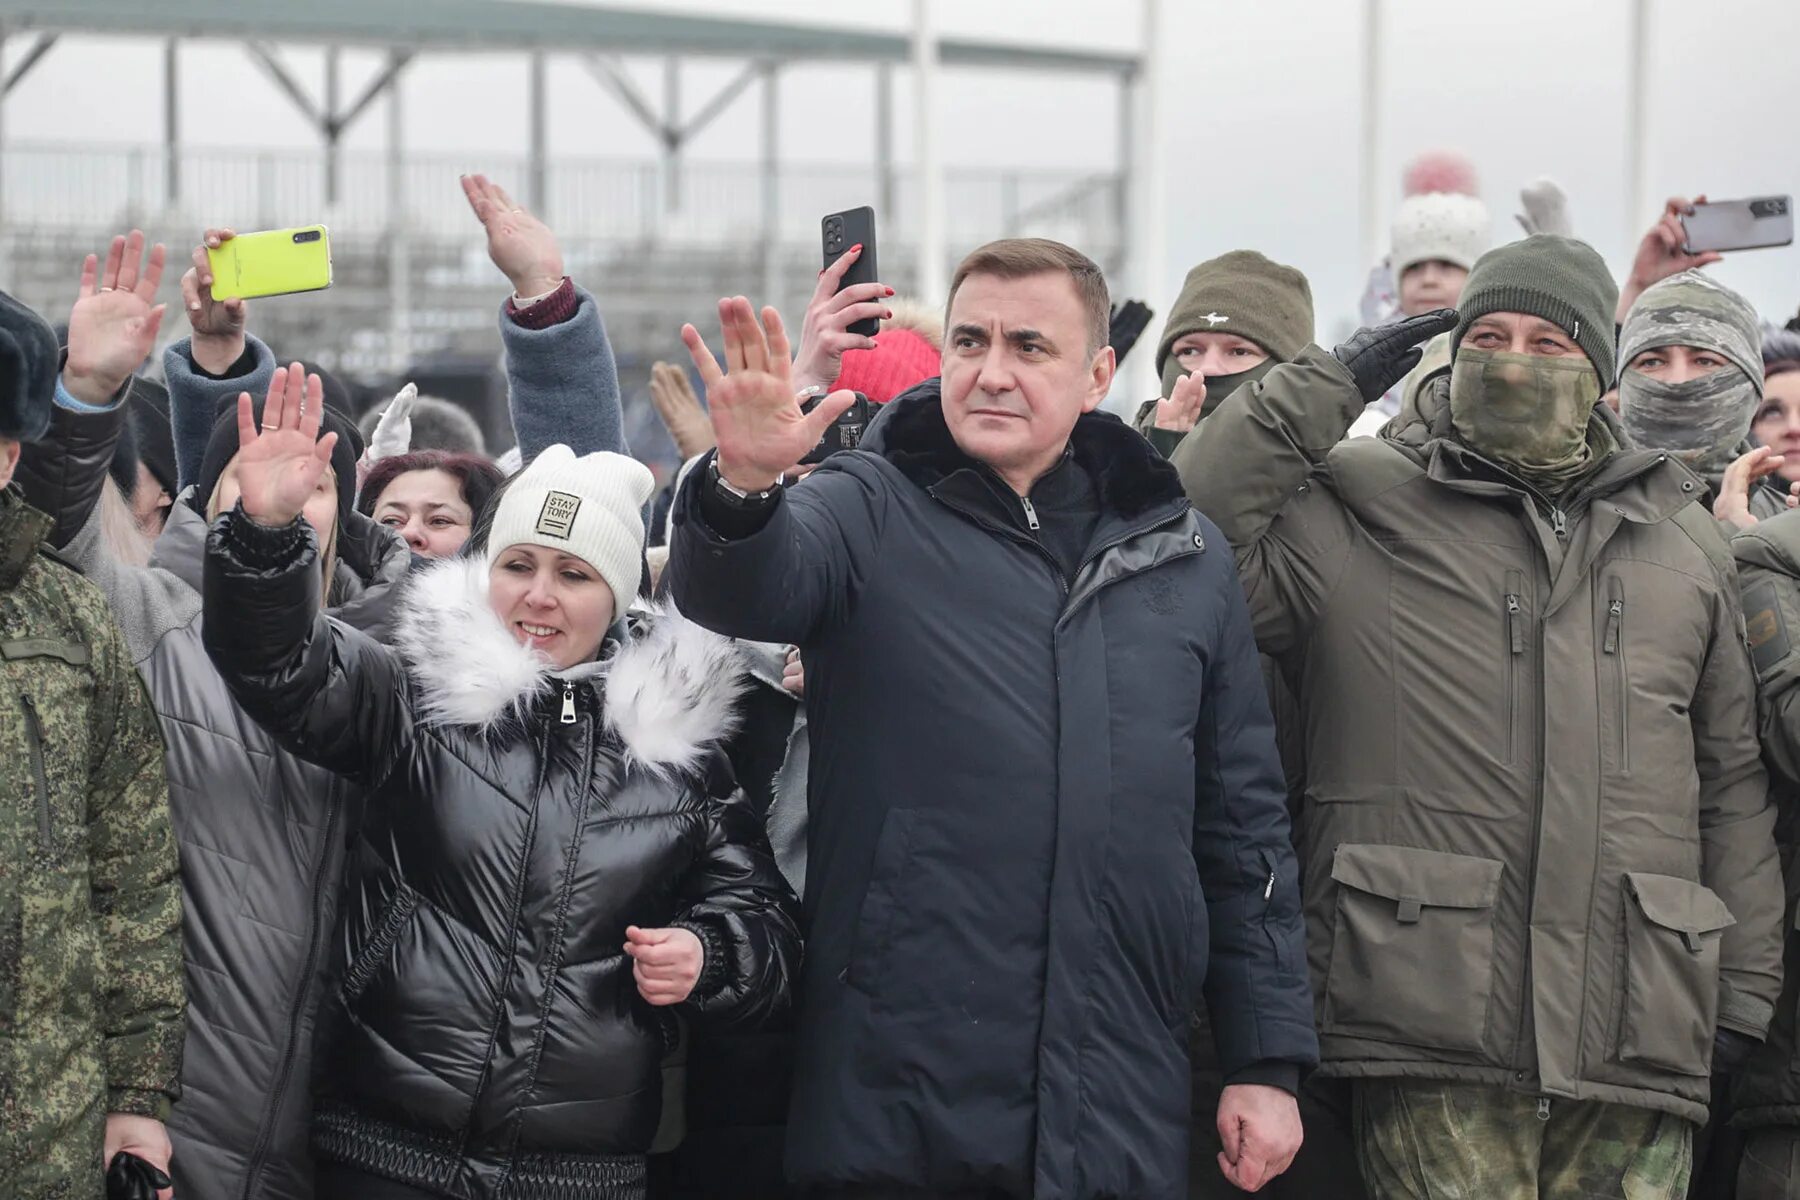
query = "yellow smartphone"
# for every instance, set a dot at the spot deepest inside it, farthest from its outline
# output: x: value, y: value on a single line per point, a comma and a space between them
x: 277, y: 262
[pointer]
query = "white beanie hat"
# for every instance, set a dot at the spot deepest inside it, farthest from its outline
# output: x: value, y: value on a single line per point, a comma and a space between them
x: 590, y: 507
x: 1440, y: 226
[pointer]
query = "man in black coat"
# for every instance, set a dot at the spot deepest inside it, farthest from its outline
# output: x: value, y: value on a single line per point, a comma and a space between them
x: 1045, y: 803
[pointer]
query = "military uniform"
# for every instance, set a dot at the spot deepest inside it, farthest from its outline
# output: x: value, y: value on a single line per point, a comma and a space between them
x: 91, y: 1007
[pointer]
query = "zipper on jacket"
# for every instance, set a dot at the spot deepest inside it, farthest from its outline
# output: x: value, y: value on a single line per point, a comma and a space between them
x: 1030, y: 513
x: 1559, y: 524
x: 1614, y: 646
x: 1515, y: 642
x: 1543, y: 1110
x: 266, y: 1134
x: 34, y: 741
x: 568, y: 704
x: 1537, y: 837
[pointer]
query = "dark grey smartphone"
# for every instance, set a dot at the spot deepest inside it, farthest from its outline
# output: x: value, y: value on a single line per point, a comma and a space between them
x: 839, y: 232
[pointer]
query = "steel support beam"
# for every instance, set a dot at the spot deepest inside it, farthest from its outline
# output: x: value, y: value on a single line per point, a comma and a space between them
x: 32, y: 57
x: 171, y: 122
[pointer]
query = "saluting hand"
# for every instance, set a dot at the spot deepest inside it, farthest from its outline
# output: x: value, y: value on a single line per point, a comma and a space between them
x: 280, y: 464
x: 666, y: 963
x: 1180, y: 411
x: 755, y: 414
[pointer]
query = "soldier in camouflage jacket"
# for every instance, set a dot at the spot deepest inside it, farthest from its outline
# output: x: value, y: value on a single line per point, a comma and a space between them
x: 91, y: 1006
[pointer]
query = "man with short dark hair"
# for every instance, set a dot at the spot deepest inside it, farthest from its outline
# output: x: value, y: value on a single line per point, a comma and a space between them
x: 1045, y: 801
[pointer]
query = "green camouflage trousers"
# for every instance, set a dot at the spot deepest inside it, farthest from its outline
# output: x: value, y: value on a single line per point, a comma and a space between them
x: 1423, y: 1140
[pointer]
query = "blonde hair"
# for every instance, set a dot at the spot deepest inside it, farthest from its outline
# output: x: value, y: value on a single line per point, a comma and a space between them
x: 120, y: 532
x: 327, y: 551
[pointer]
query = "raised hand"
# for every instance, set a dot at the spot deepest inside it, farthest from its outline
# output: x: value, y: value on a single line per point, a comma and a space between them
x: 680, y: 410
x: 114, y: 323
x: 279, y: 465
x: 666, y: 963
x: 1380, y: 356
x: 218, y: 325
x: 521, y: 245
x: 1660, y: 254
x: 825, y: 329
x: 1180, y: 411
x: 755, y: 413
x: 1732, y: 505
x: 393, y: 432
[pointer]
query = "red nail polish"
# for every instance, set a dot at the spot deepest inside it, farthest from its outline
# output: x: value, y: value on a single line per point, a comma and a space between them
x: 890, y: 291
x: 854, y: 249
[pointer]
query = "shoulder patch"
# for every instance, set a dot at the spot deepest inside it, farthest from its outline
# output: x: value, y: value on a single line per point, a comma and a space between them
x: 1765, y: 629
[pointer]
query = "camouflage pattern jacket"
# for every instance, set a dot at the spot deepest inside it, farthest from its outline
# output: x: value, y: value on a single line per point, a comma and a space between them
x: 91, y: 1008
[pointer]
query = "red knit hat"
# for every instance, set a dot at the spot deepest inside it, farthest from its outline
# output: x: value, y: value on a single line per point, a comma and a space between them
x: 901, y: 359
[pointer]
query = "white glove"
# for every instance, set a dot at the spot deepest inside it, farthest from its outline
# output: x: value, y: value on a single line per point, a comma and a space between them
x: 393, y: 432
x: 1546, y: 208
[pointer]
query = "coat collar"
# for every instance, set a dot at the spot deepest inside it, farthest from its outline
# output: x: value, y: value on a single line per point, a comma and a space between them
x: 1130, y: 476
x: 22, y: 533
x: 669, y: 688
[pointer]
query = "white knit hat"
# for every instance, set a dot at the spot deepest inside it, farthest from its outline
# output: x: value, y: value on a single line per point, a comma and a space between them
x: 1440, y: 225
x: 590, y: 507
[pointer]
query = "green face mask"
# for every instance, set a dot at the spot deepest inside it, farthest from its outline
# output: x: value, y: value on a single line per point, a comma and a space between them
x: 1527, y: 412
x: 1217, y: 386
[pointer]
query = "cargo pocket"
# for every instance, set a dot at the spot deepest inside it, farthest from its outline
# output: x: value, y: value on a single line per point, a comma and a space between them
x: 881, y: 901
x: 382, y: 937
x: 1412, y: 951
x: 1671, y: 999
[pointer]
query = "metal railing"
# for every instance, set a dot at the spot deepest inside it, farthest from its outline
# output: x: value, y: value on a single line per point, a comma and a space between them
x: 97, y: 188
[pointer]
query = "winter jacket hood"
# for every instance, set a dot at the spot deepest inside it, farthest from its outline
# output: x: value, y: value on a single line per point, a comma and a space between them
x: 671, y: 688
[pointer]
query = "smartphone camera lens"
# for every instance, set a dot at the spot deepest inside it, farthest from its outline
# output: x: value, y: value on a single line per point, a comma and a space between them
x: 306, y: 235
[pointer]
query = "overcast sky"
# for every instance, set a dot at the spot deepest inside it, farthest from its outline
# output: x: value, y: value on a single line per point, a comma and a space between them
x: 1261, y: 112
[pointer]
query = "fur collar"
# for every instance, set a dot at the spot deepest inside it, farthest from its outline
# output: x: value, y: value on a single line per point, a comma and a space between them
x: 1130, y: 476
x: 669, y: 688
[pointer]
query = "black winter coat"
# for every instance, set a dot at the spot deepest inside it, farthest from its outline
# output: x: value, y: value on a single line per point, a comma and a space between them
x: 1041, y: 815
x: 486, y: 1037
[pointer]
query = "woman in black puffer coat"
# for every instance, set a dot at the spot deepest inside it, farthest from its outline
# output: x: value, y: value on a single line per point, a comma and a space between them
x: 546, y: 805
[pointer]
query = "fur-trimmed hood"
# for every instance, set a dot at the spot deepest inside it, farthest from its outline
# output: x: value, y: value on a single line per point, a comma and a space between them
x: 669, y: 688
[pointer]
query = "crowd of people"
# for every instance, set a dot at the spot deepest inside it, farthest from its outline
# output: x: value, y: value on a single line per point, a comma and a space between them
x: 1368, y: 772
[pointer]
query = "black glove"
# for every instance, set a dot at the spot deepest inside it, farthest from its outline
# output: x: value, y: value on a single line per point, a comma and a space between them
x: 1731, y: 1050
x: 1382, y: 356
x: 1129, y: 320
x: 131, y: 1178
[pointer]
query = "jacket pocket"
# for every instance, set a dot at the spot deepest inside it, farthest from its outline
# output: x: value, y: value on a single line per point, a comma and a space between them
x: 1514, y: 604
x: 1671, y: 997
x: 382, y: 937
x: 881, y: 902
x: 1612, y: 647
x: 1412, y: 952
x: 40, y: 778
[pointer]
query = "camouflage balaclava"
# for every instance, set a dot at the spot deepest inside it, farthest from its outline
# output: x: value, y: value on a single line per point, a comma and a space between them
x: 1703, y: 422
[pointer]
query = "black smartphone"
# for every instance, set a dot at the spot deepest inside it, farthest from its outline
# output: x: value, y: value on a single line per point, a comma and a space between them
x: 846, y: 432
x: 842, y: 230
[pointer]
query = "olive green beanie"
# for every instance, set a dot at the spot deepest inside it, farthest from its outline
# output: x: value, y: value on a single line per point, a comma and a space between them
x: 1243, y: 293
x: 1560, y: 279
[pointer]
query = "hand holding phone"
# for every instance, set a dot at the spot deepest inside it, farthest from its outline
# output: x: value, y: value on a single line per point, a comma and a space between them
x: 278, y: 262
x: 841, y: 231
x: 1752, y: 224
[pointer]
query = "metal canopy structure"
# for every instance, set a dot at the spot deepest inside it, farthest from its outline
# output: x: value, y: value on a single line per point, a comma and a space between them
x: 599, y: 39
x: 489, y: 25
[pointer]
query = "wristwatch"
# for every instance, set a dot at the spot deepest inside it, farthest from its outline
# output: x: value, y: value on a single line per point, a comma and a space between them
x: 737, y: 497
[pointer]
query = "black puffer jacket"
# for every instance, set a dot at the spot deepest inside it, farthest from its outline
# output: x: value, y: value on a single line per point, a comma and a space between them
x: 486, y: 1038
